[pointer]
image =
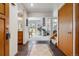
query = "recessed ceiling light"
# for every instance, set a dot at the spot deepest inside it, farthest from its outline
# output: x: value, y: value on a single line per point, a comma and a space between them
x: 31, y: 4
x: 20, y: 18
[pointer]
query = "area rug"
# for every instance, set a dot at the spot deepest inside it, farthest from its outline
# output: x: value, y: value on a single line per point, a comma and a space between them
x: 40, y: 50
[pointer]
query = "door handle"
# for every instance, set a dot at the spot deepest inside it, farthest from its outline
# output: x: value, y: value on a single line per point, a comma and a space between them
x: 69, y: 33
x: 7, y: 36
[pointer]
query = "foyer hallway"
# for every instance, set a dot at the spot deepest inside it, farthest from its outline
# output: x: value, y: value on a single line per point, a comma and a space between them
x: 39, y: 29
x: 39, y: 46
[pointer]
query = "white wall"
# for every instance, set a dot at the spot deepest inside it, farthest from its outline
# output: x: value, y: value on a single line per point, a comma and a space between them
x: 55, y: 13
x: 25, y: 28
x: 20, y: 25
x: 13, y: 28
x: 23, y: 11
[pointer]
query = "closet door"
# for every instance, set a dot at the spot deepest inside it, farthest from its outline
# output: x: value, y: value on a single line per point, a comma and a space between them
x: 65, y: 29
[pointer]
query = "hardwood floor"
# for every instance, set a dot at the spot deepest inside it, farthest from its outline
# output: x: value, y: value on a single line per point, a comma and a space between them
x: 22, y: 50
x: 55, y: 50
x: 25, y: 50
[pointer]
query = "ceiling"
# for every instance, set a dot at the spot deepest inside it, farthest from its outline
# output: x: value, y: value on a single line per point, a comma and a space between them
x: 41, y: 7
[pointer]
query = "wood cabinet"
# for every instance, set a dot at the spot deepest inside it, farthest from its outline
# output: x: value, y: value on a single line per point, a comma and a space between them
x: 20, y: 37
x: 65, y: 20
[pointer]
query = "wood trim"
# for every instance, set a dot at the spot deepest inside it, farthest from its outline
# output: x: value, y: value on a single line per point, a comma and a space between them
x: 77, y: 29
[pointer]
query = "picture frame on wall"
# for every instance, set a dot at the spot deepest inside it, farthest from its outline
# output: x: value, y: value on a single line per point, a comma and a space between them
x: 26, y: 22
x: 43, y: 21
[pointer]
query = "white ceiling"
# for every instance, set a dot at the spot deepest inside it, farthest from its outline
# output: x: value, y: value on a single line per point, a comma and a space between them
x: 41, y: 7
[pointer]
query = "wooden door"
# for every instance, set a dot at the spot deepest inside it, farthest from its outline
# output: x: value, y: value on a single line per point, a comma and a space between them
x: 4, y: 44
x: 20, y: 37
x: 2, y: 37
x: 6, y: 28
x: 77, y: 28
x: 65, y: 15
